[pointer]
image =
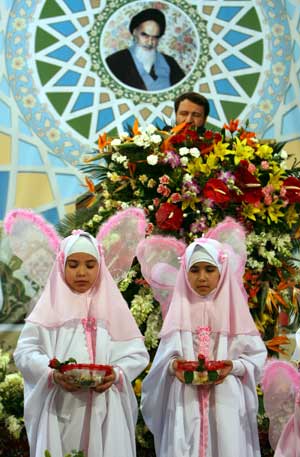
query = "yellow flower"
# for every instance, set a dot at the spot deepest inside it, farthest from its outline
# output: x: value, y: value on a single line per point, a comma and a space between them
x: 151, y: 183
x: 113, y: 177
x: 138, y: 387
x: 194, y: 166
x: 264, y: 151
x: 291, y: 216
x: 273, y: 212
x: 249, y: 211
x: 143, y: 178
x: 242, y: 151
x: 190, y: 202
x: 220, y: 150
x: 198, y: 165
x: 275, y: 177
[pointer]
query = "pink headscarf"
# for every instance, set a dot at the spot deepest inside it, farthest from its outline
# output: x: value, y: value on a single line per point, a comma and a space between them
x: 225, y: 310
x: 59, y: 305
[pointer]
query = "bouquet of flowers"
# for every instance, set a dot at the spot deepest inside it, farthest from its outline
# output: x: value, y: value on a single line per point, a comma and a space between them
x: 187, y: 184
x: 201, y: 371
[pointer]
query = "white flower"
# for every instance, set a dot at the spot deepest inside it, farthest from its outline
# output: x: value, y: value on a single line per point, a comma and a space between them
x: 156, y: 139
x: 116, y: 142
x: 195, y: 152
x: 283, y: 154
x: 187, y: 178
x: 184, y: 151
x: 152, y: 159
x: 123, y: 136
x: 150, y: 129
x: 184, y: 160
x: 142, y: 140
x: 117, y: 157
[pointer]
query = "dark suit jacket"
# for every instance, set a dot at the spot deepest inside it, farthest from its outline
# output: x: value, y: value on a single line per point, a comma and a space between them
x: 122, y: 65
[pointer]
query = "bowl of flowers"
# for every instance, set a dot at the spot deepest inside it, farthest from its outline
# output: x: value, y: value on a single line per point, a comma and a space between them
x: 201, y: 371
x: 84, y: 375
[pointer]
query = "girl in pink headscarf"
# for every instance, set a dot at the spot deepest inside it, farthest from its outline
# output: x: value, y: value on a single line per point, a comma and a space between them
x: 80, y: 314
x: 209, y: 315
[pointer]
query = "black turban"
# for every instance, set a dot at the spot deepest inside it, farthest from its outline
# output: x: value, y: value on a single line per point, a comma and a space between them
x: 150, y: 14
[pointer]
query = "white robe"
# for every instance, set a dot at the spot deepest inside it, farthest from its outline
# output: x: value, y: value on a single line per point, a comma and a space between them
x: 171, y: 408
x: 61, y: 421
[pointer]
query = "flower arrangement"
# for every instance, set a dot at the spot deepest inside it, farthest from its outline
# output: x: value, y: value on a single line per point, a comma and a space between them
x: 188, y: 183
x: 85, y: 375
x: 201, y: 371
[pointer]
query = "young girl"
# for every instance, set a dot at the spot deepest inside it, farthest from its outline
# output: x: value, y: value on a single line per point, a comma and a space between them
x: 208, y: 315
x: 80, y: 314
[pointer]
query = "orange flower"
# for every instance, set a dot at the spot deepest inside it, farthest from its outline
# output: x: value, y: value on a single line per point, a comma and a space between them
x: 275, y: 343
x: 90, y: 185
x: 249, y: 137
x: 233, y: 125
x: 103, y: 141
x: 135, y: 128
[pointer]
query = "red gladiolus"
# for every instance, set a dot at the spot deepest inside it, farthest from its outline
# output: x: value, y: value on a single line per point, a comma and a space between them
x: 169, y: 217
x: 249, y: 185
x: 233, y: 125
x: 292, y: 187
x: 216, y: 190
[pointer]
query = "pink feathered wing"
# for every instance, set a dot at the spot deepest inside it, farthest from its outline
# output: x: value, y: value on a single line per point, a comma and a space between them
x: 281, y: 384
x: 160, y: 259
x: 232, y: 233
x: 119, y: 237
x: 34, y: 241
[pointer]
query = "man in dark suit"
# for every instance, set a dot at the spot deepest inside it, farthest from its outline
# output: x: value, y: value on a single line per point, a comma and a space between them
x: 142, y: 66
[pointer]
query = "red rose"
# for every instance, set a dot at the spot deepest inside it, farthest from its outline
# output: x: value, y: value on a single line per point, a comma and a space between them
x: 217, y: 137
x: 54, y: 363
x: 216, y: 190
x: 169, y: 217
x: 249, y: 185
x: 208, y: 134
x: 292, y: 187
x: 177, y: 139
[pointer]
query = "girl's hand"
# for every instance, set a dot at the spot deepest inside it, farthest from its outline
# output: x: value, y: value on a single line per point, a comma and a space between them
x: 64, y: 381
x: 224, y: 372
x: 106, y: 383
x: 178, y: 373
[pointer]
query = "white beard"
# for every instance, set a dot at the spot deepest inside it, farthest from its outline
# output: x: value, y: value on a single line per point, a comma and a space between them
x: 145, y: 56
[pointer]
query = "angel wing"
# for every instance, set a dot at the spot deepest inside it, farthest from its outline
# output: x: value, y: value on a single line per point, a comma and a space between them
x: 280, y: 384
x: 160, y: 257
x: 119, y: 237
x: 34, y: 241
x: 232, y: 233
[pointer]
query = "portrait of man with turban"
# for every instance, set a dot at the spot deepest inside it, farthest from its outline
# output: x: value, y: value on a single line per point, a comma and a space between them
x: 141, y: 65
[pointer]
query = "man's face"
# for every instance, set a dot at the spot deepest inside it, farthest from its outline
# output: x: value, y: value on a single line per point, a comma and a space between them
x: 147, y: 35
x: 190, y: 112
